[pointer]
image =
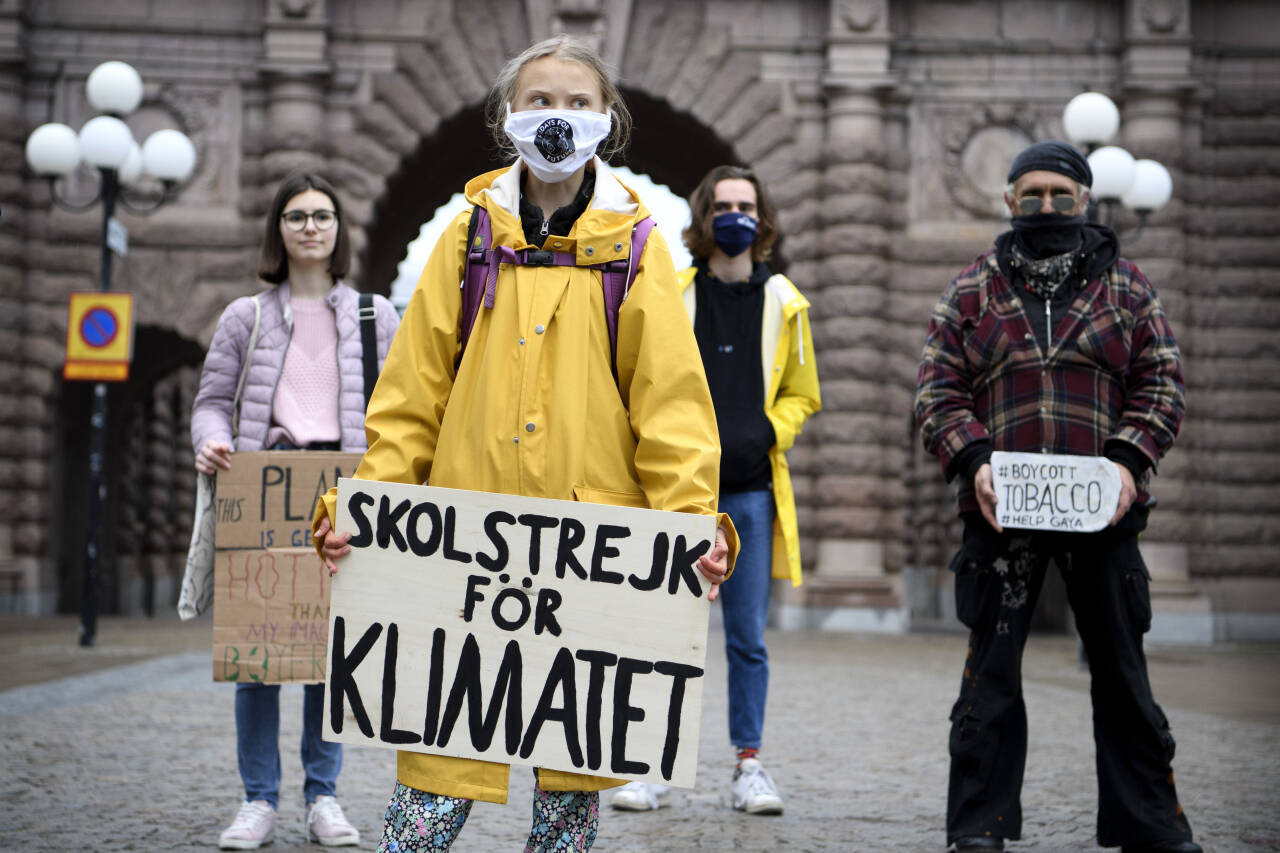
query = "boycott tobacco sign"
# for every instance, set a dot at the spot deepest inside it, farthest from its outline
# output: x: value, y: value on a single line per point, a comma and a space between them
x: 560, y: 634
x: 1043, y: 491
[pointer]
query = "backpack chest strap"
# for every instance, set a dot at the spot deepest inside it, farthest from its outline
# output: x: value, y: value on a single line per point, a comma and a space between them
x: 499, y: 255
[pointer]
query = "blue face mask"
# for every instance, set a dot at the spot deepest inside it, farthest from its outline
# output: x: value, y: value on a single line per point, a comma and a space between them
x: 734, y: 232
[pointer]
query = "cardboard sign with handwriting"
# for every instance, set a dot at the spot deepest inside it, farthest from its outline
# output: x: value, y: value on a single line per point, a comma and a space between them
x: 560, y: 634
x: 271, y: 591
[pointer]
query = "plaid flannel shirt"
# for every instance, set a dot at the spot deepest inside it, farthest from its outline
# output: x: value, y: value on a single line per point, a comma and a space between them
x: 1113, y: 371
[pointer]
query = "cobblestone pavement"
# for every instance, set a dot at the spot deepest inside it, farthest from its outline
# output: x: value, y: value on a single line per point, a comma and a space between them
x: 140, y: 756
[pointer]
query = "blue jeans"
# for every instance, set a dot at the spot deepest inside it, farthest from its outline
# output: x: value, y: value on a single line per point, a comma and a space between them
x: 745, y: 603
x: 258, y: 743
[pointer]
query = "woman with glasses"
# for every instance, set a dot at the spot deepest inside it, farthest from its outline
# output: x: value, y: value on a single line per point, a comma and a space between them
x: 303, y: 390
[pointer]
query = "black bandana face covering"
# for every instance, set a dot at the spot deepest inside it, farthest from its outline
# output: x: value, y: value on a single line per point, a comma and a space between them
x: 1042, y: 235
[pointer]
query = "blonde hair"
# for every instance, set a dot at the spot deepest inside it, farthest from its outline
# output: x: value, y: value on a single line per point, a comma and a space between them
x: 561, y: 46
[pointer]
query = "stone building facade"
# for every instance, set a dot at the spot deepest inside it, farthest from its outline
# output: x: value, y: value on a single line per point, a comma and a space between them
x: 883, y: 130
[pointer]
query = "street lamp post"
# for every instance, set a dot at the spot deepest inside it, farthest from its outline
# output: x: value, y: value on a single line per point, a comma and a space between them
x: 105, y: 142
x: 1143, y: 186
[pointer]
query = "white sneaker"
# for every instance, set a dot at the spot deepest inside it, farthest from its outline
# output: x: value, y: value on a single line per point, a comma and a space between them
x: 329, y: 826
x: 641, y: 797
x: 253, y: 827
x: 753, y: 789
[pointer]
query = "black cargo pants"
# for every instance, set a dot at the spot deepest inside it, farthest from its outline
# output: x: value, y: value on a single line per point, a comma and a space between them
x: 998, y: 579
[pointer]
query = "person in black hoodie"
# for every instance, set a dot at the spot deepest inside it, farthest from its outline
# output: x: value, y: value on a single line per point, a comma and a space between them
x: 1052, y: 343
x: 752, y: 328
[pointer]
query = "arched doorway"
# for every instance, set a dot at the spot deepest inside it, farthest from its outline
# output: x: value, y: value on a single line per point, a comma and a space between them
x: 148, y: 477
x: 671, y: 147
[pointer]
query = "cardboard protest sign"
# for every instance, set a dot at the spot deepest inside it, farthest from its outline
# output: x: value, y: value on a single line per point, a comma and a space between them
x: 270, y: 588
x: 564, y: 635
x: 1043, y: 491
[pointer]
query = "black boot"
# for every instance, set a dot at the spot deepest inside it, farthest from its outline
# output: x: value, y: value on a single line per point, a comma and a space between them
x: 978, y: 844
x: 1163, y: 847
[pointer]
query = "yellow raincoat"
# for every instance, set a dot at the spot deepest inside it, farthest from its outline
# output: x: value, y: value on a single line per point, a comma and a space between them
x: 791, y: 396
x: 533, y: 408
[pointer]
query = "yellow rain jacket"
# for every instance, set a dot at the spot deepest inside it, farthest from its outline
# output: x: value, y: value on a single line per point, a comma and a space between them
x: 533, y: 408
x: 791, y: 396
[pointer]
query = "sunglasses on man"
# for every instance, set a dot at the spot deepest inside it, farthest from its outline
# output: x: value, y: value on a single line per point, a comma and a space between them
x: 1030, y: 205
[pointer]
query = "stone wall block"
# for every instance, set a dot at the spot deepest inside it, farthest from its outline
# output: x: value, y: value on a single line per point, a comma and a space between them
x: 850, y: 238
x: 856, y: 428
x: 866, y: 297
x: 853, y: 175
x: 38, y: 381
x: 408, y: 102
x: 856, y: 208
x: 454, y: 54
x: 678, y: 31
x: 45, y: 352
x: 836, y: 521
x: 423, y: 68
x: 881, y: 493
x: 365, y: 151
x: 842, y: 332
x: 779, y: 164
x: 729, y: 81
x: 838, y: 458
x: 477, y: 22
x: 739, y: 115
x: 851, y: 395
x: 1240, y: 405
x: 28, y: 538
x: 767, y: 134
x: 1256, y: 528
x: 1233, y: 560
x: 384, y: 124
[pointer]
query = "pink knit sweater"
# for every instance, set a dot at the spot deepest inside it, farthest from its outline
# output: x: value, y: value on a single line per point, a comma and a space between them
x: 305, y: 408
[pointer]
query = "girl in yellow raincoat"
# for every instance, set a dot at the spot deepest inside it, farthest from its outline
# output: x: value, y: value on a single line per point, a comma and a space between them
x: 534, y: 407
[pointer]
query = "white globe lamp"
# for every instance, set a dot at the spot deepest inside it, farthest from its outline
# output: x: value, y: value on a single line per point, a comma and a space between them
x: 53, y: 150
x: 1151, y: 188
x: 1091, y: 118
x: 1113, y: 170
x: 131, y: 171
x: 169, y: 156
x: 105, y: 141
x: 114, y: 87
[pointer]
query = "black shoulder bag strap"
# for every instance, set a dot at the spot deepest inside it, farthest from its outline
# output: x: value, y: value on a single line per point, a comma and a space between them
x: 369, y: 344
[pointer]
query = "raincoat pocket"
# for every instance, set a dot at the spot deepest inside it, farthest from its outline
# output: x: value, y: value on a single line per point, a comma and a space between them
x: 611, y: 497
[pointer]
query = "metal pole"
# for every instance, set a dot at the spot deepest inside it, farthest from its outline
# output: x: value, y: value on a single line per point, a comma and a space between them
x: 97, y: 444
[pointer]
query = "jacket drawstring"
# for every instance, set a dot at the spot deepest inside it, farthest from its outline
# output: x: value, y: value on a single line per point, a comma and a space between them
x: 800, y: 334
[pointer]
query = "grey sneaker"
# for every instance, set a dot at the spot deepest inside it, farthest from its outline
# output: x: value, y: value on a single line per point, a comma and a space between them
x: 253, y: 827
x: 753, y: 789
x: 641, y: 797
x: 327, y: 824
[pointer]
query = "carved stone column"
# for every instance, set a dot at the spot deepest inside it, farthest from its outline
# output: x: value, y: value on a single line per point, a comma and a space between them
x: 1156, y: 85
x: 858, y: 490
x: 295, y: 71
x: 21, y: 455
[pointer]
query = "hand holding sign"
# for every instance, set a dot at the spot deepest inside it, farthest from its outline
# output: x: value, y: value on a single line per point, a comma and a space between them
x: 1041, y: 491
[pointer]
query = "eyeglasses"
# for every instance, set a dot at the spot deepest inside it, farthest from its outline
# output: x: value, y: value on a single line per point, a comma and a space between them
x: 1032, y: 204
x: 296, y: 220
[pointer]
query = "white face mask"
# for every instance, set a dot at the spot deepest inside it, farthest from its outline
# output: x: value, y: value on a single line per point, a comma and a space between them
x: 556, y: 143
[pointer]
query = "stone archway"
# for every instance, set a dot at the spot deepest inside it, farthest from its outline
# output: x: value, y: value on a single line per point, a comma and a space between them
x: 149, y: 481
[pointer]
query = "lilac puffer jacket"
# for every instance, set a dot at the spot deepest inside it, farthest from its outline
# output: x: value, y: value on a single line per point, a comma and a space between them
x: 211, y: 411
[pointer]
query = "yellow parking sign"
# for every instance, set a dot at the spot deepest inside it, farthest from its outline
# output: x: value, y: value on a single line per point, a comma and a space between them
x: 99, y: 336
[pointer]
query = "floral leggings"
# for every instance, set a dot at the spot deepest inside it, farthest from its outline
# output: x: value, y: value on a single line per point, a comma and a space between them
x: 419, y: 822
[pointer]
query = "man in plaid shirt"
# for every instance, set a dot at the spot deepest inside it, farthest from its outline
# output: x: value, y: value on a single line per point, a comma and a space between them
x: 1052, y: 343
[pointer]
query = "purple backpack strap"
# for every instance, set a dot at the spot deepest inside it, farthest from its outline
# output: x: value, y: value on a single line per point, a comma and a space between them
x: 617, y: 284
x: 475, y: 271
x: 480, y: 273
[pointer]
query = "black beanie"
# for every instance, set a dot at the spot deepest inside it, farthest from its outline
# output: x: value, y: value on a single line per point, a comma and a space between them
x: 1052, y: 156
